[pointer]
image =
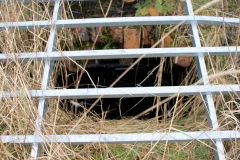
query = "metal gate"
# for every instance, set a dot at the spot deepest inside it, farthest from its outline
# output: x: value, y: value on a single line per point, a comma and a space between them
x: 205, y: 89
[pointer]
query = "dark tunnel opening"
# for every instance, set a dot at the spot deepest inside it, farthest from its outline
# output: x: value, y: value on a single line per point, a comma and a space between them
x: 104, y: 72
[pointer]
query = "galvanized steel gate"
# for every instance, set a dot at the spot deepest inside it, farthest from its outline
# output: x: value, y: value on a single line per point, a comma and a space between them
x: 205, y: 89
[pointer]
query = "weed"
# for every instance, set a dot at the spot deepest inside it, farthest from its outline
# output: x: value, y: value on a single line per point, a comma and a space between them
x: 162, y: 6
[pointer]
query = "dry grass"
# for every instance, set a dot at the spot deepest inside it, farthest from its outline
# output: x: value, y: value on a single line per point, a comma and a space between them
x: 17, y: 115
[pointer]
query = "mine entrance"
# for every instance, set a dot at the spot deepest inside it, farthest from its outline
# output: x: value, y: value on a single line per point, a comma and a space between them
x: 103, y: 73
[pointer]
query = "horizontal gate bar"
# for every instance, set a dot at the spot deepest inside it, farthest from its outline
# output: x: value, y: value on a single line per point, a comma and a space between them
x: 126, y: 53
x: 123, y: 21
x: 163, y: 91
x: 124, y: 138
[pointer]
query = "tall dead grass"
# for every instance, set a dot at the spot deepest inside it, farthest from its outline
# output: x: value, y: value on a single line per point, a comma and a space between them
x: 17, y: 115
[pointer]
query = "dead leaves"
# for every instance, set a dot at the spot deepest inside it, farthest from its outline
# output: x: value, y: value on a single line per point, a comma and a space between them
x: 128, y: 1
x: 153, y: 12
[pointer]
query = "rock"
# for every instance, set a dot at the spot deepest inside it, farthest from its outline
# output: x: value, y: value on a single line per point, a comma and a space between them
x: 82, y: 33
x: 132, y: 37
x: 117, y: 33
x: 167, y: 41
x: 183, y: 61
x: 145, y: 35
